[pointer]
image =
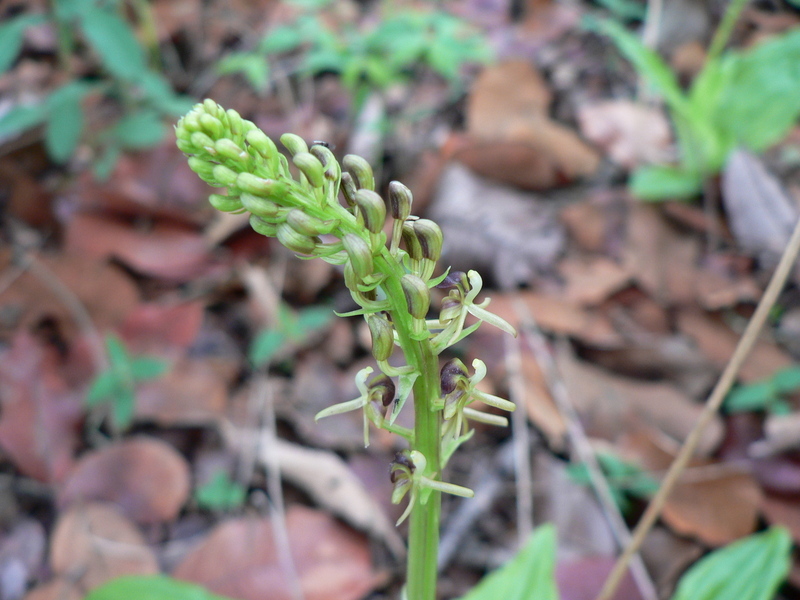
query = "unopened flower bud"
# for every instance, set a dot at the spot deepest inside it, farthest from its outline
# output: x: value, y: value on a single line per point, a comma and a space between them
x: 258, y: 186
x: 418, y: 296
x: 259, y: 206
x: 382, y: 336
x: 188, y: 124
x: 402, y: 467
x: 453, y: 372
x: 211, y: 107
x: 381, y: 389
x: 211, y: 125
x: 202, y: 167
x: 294, y: 143
x: 308, y: 224
x: 310, y: 166
x: 348, y: 187
x: 228, y: 149
x: 225, y: 176
x: 262, y: 226
x: 360, y: 255
x: 430, y: 238
x: 237, y: 125
x: 411, y: 241
x: 400, y: 199
x: 225, y: 203
x: 201, y: 140
x: 373, y: 209
x: 261, y: 142
x: 296, y: 241
x: 360, y: 170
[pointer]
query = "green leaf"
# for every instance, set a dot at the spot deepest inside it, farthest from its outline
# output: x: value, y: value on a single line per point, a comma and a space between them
x: 646, y: 62
x: 755, y: 396
x: 117, y: 353
x: 527, y: 576
x: 148, y: 367
x: 150, y: 587
x: 104, y: 165
x: 265, y: 346
x: 161, y: 95
x: 253, y: 67
x: 749, y: 569
x: 281, y: 39
x: 311, y: 319
x: 220, y: 493
x: 115, y: 44
x: 64, y: 125
x: 139, y: 130
x: 12, y: 33
x: 104, y: 386
x: 123, y: 404
x: 663, y: 183
x: 787, y: 380
x: 627, y: 10
x: 20, y: 118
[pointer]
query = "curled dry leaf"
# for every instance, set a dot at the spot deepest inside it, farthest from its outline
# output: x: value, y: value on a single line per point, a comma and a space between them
x: 60, y: 588
x: 151, y: 325
x: 591, y: 281
x: 146, y: 478
x: 94, y: 543
x: 511, y: 137
x: 239, y: 559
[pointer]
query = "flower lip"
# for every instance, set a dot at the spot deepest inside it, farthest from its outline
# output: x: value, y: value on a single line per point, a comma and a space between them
x: 454, y: 279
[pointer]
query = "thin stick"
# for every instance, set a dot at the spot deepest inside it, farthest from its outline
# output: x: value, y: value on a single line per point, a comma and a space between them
x: 713, y: 403
x: 582, y: 447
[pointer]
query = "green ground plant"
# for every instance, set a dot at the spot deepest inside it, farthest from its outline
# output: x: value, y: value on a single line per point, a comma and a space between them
x: 626, y: 480
x: 741, y: 98
x: 95, y: 32
x: 115, y: 387
x: 368, y: 57
x: 769, y: 394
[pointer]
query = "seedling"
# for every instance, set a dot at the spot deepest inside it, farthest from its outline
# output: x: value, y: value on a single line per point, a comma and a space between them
x: 769, y: 394
x: 116, y: 386
x: 291, y: 328
x: 626, y: 480
x: 220, y: 493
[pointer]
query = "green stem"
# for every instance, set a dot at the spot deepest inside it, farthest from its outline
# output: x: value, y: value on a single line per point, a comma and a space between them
x: 725, y: 29
x: 423, y: 541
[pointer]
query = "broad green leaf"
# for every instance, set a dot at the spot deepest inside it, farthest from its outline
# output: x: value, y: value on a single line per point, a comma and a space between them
x: 627, y: 10
x: 12, y: 33
x: 64, y: 126
x: 646, y: 62
x: 104, y: 165
x: 104, y: 386
x: 662, y: 183
x: 20, y: 118
x: 787, y: 380
x: 148, y: 367
x: 117, y: 353
x: 253, y: 67
x: 220, y: 493
x: 527, y: 576
x: 115, y: 44
x: 313, y: 318
x: 160, y: 94
x: 749, y: 569
x: 762, y: 100
x: 265, y: 346
x: 139, y: 130
x: 755, y: 396
x: 281, y: 39
x: 150, y: 587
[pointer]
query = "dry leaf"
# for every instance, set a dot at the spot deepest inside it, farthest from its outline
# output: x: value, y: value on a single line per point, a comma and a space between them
x: 666, y: 556
x: 239, y: 559
x: 580, y: 579
x: 539, y: 405
x: 632, y: 134
x: 718, y: 341
x: 155, y: 325
x: 507, y: 235
x: 60, y: 588
x: 95, y: 543
x: 145, y: 477
x: 592, y: 280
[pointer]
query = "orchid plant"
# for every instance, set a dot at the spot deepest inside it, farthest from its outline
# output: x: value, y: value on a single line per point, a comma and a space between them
x: 331, y: 211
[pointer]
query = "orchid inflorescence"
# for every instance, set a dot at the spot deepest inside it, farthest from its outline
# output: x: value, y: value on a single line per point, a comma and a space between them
x: 389, y: 278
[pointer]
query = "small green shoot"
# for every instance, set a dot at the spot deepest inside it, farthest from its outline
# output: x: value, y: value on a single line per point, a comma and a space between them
x: 749, y: 569
x: 529, y: 575
x: 747, y: 98
x: 767, y: 395
x: 625, y: 479
x: 150, y: 587
x: 220, y: 493
x: 293, y: 328
x: 116, y: 386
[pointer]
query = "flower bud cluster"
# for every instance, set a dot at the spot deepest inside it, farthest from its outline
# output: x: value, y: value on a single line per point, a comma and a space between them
x: 295, y: 198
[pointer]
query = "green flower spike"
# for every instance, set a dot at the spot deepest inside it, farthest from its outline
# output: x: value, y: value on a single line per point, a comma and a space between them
x: 460, y: 302
x: 409, y: 474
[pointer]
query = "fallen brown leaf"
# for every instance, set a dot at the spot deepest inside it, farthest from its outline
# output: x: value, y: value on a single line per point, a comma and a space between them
x: 146, y: 478
x: 592, y: 280
x: 94, y: 543
x: 239, y: 559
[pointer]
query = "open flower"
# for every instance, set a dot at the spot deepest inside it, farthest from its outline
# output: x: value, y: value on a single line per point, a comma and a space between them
x: 460, y: 301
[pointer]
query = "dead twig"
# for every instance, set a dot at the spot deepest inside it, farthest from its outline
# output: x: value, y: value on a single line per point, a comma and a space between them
x: 712, y: 405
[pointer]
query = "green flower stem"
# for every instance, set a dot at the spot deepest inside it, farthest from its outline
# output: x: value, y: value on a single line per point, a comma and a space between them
x: 423, y: 539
